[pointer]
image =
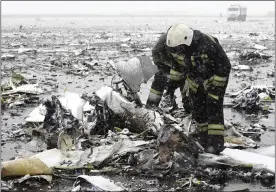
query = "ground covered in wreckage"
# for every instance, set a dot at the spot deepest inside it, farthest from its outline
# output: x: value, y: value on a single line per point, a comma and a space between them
x: 74, y: 54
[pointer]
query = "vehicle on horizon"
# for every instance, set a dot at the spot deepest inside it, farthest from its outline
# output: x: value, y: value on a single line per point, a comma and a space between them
x: 236, y: 12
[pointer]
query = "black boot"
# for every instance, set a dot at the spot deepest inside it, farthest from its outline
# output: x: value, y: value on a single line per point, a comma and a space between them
x: 215, y: 144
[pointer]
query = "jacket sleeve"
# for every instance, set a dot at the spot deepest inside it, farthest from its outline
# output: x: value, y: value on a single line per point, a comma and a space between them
x: 175, y: 79
x: 221, y: 69
x: 223, y: 65
x: 161, y: 57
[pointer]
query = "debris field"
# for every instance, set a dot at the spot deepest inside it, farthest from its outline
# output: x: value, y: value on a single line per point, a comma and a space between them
x: 67, y: 126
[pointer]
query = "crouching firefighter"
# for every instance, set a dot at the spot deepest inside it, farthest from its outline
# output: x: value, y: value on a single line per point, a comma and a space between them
x: 208, y: 70
x: 164, y: 60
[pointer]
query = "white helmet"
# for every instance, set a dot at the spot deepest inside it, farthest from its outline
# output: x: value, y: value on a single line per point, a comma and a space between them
x: 179, y: 34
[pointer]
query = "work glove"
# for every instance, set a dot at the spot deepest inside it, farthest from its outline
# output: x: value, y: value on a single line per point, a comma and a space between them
x: 168, y: 103
x: 215, y: 144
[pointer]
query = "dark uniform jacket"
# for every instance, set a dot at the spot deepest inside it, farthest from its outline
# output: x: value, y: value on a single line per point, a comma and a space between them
x: 204, y: 62
x: 205, y: 65
x: 162, y: 56
x: 164, y: 61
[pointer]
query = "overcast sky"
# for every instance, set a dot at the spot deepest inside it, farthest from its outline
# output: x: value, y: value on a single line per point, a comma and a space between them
x: 131, y: 7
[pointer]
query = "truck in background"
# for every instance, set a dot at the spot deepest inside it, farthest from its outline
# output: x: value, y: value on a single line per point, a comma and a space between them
x: 236, y: 13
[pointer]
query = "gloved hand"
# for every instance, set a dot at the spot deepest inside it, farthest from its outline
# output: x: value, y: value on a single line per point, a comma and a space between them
x: 168, y: 102
x: 215, y: 144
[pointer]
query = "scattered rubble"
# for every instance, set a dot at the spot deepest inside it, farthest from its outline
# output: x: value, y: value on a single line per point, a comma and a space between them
x: 247, y: 55
x: 97, y: 183
x: 173, y: 152
x: 18, y: 91
x: 33, y: 181
x: 108, y: 131
x: 253, y: 97
x: 27, y: 50
x: 243, y: 68
x: 7, y: 57
x: 259, y: 47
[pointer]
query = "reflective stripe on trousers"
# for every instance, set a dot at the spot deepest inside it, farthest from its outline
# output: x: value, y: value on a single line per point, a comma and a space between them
x: 215, y: 129
x: 202, y: 126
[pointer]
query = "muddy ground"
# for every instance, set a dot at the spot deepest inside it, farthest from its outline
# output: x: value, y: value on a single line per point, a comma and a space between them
x: 58, y: 65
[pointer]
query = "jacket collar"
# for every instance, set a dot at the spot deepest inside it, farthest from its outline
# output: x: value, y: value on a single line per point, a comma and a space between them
x: 197, y: 36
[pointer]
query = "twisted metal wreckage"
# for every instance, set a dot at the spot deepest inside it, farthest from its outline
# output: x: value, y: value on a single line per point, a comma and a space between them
x: 106, y: 128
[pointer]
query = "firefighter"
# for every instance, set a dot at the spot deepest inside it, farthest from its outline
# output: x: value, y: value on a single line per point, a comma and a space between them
x: 163, y: 59
x: 203, y: 62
